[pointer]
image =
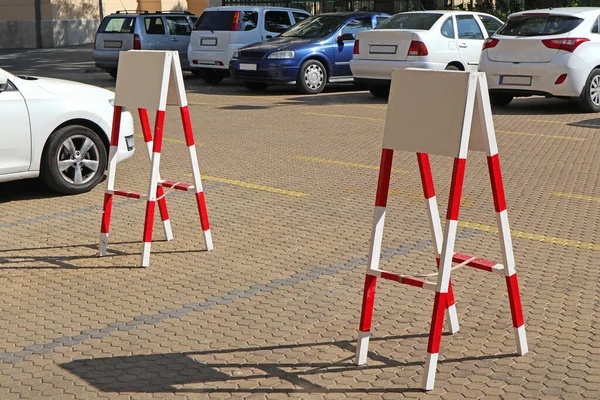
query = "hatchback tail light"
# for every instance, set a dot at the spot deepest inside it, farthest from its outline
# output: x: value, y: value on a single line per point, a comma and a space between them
x: 569, y: 44
x: 489, y: 43
x: 561, y: 79
x: 137, y: 42
x: 417, y: 49
x: 236, y: 21
x: 355, y: 51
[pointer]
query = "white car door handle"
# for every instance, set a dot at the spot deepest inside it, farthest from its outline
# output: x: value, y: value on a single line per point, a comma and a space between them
x: 462, y: 45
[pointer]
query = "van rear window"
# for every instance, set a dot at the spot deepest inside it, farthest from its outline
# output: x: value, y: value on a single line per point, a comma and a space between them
x: 537, y: 24
x: 117, y: 25
x: 223, y: 21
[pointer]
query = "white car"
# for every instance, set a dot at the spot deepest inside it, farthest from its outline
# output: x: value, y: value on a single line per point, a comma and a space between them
x: 552, y: 52
x: 58, y: 130
x: 220, y: 31
x: 421, y: 39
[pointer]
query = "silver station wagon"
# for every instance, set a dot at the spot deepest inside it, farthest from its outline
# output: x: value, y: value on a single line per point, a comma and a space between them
x: 124, y: 31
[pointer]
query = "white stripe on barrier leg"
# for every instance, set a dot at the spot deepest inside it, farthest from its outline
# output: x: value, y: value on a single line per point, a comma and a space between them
x: 167, y: 229
x: 430, y: 371
x: 208, y: 240
x: 521, y: 338
x: 146, y: 254
x: 377, y: 237
x: 103, y: 244
x: 454, y: 326
x: 362, y: 348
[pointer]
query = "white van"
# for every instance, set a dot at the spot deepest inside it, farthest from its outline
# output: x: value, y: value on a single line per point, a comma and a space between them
x: 222, y: 30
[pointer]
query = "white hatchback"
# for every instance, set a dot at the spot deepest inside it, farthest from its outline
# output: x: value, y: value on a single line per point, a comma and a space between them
x: 220, y: 31
x: 58, y: 130
x: 422, y: 39
x: 552, y: 52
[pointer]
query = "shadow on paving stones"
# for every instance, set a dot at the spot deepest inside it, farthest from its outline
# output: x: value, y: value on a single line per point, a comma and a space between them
x: 593, y: 123
x: 538, y: 106
x: 65, y: 262
x: 160, y: 373
x: 25, y: 189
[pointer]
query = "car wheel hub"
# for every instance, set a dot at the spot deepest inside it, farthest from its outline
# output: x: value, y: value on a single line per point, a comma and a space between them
x: 78, y: 159
x: 595, y: 90
x: 313, y: 76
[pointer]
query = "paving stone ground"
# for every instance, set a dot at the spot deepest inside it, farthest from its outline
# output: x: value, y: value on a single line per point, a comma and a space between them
x: 273, y: 310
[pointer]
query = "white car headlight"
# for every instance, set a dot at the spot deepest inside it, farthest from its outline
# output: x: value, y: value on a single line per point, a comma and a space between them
x: 282, y: 54
x: 112, y: 103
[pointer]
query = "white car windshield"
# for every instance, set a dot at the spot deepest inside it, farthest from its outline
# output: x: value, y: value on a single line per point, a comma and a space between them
x: 539, y: 25
x: 415, y: 21
x: 316, y: 27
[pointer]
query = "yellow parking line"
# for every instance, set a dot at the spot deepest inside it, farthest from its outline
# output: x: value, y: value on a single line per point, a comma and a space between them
x: 343, y: 116
x: 347, y: 164
x: 173, y: 140
x: 533, y: 236
x: 541, y: 135
x: 576, y: 196
x: 249, y: 185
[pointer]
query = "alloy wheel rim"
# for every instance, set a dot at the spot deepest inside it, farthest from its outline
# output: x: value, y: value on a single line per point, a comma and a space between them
x: 595, y: 90
x: 313, y: 76
x: 78, y: 159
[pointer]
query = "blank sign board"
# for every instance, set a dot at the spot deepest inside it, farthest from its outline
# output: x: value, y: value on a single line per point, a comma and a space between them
x: 147, y: 78
x: 427, y: 110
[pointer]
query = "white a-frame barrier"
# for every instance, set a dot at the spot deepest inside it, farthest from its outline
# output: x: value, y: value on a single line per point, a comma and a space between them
x: 451, y: 115
x: 151, y: 80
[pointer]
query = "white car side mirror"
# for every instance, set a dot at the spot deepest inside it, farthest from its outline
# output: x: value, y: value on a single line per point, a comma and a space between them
x: 3, y: 82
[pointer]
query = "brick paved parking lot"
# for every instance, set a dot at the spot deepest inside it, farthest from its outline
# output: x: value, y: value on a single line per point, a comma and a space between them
x: 273, y: 310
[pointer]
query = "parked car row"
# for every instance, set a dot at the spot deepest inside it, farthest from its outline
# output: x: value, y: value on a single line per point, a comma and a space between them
x: 550, y: 52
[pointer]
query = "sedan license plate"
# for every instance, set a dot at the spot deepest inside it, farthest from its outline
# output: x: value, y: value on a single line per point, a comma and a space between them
x: 382, y: 49
x: 113, y: 44
x: 208, y: 42
x: 248, y: 67
x: 515, y: 80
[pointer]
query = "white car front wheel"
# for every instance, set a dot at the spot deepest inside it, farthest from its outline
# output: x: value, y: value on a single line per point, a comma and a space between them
x: 590, y: 98
x: 74, y: 160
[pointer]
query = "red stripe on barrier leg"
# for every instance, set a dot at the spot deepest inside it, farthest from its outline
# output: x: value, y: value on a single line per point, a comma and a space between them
x: 145, y: 122
x: 426, y: 176
x: 437, y: 323
x: 366, y: 314
x: 158, y: 131
x: 202, y: 211
x: 149, y: 220
x: 383, y: 183
x: 162, y: 203
x: 187, y: 126
x: 458, y: 176
x: 451, y: 301
x: 105, y: 226
x: 497, y: 185
x: 116, y: 126
x: 514, y: 298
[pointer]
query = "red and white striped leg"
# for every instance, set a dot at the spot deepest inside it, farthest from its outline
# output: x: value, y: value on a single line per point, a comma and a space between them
x: 441, y: 296
x: 162, y: 202
x: 510, y: 273
x: 201, y: 202
x: 110, y: 181
x: 154, y: 174
x: 436, y: 230
x: 383, y: 184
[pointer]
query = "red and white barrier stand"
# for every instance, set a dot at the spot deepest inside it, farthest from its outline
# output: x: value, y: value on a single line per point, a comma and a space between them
x: 152, y: 80
x: 464, y: 122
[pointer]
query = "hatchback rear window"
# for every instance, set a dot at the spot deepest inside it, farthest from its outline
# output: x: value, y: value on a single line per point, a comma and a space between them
x: 419, y: 21
x: 539, y: 25
x: 117, y: 25
x: 223, y: 21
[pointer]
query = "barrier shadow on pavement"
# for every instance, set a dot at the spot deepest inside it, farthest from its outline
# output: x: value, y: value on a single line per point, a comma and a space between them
x: 538, y: 106
x: 593, y: 123
x: 165, y: 373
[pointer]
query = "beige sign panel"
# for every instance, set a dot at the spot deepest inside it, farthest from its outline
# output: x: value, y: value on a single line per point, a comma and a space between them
x: 147, y: 79
x: 429, y: 111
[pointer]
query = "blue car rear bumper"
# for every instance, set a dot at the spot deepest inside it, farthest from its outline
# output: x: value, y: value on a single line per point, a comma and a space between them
x: 267, y: 71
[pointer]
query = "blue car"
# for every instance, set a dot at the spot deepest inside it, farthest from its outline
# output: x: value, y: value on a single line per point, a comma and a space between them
x: 310, y: 54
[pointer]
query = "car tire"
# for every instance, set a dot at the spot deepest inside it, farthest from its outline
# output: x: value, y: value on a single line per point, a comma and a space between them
x: 452, y: 68
x: 74, y: 160
x: 500, y: 99
x: 589, y: 100
x: 198, y: 73
x: 312, y: 77
x: 380, y: 91
x: 112, y: 73
x: 255, y: 86
x: 212, y: 77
